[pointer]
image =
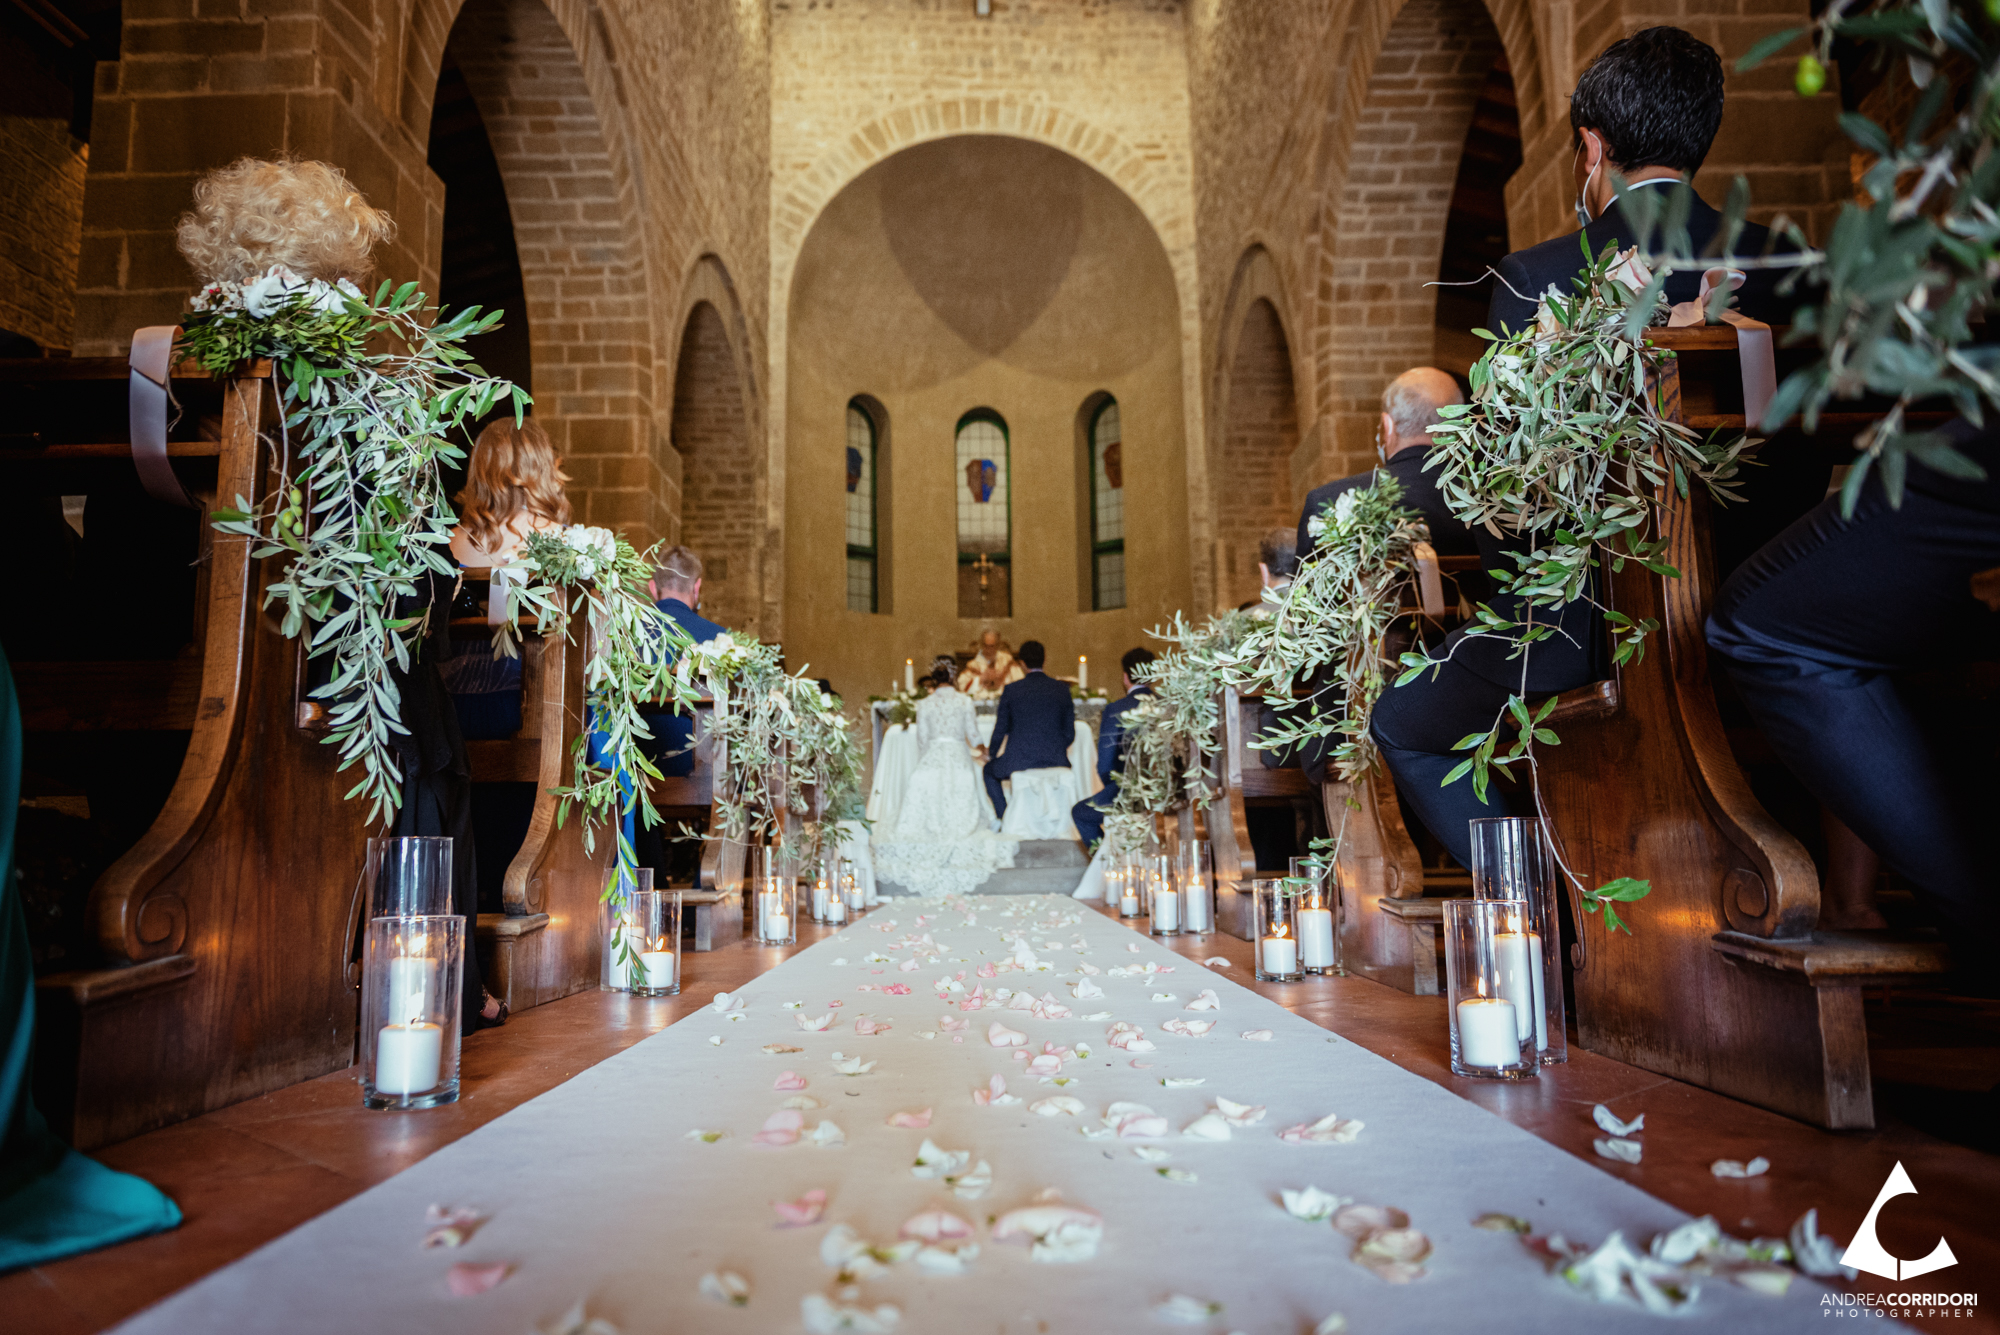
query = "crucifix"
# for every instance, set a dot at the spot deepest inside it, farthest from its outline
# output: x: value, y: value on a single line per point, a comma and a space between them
x: 985, y: 568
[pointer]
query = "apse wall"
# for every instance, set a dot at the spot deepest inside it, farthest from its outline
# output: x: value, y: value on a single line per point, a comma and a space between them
x: 980, y: 271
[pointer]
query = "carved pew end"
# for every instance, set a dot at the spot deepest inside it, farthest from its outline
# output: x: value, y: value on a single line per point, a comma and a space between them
x: 717, y: 916
x: 504, y: 944
x: 87, y: 1018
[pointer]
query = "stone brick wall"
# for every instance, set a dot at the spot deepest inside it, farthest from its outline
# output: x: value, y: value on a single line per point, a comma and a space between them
x: 1292, y: 99
x: 721, y: 511
x: 1259, y: 435
x: 631, y: 214
x: 41, y: 227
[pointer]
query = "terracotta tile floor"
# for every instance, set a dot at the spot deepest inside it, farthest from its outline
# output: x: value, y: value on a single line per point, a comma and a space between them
x: 247, y: 1173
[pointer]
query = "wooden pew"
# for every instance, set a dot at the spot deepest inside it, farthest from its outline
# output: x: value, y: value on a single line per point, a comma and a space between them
x: 1238, y: 776
x: 224, y: 935
x: 712, y: 915
x: 1724, y: 982
x: 547, y: 941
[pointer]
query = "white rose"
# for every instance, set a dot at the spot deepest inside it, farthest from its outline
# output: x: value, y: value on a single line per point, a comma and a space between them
x: 1632, y: 271
x: 264, y: 295
x: 331, y: 297
x: 1343, y: 510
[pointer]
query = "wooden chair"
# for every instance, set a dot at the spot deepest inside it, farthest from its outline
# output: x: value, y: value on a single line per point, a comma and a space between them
x: 717, y: 909
x: 1724, y: 982
x: 224, y: 934
x: 1238, y: 776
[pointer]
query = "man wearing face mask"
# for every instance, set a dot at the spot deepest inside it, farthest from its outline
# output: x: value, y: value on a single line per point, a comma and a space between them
x: 1646, y: 110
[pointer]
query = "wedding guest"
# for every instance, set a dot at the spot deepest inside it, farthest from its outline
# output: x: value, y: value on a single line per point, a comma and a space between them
x: 1813, y: 630
x: 1088, y: 815
x: 1037, y: 717
x: 1277, y: 562
x: 676, y: 588
x: 1410, y: 408
x: 1646, y: 109
x: 513, y: 487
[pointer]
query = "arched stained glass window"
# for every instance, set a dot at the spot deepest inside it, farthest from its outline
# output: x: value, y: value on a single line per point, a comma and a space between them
x: 985, y: 521
x: 1107, y: 509
x: 863, y: 563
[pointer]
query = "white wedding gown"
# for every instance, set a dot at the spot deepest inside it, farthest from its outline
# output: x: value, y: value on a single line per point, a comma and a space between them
x: 942, y: 842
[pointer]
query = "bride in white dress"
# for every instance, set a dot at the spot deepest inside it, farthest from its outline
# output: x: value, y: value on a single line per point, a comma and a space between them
x: 942, y: 841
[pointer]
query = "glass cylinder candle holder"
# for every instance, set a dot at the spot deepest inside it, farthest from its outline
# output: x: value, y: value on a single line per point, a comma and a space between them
x: 1511, y: 859
x: 1318, y: 917
x: 820, y: 895
x: 1194, y: 868
x: 410, y: 974
x: 836, y: 902
x: 1274, y: 907
x: 1492, y: 1029
x: 656, y: 968
x: 776, y: 920
x: 1164, y: 901
x: 1130, y: 886
x: 409, y: 876
x: 852, y: 890
x: 621, y: 930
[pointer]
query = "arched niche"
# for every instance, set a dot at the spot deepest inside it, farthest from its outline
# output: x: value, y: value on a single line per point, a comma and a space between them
x: 967, y: 272
x: 722, y: 484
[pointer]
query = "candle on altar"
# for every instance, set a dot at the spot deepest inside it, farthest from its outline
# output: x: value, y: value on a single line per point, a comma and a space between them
x: 1082, y: 672
x: 909, y: 674
x: 1166, y: 909
x: 656, y: 966
x: 409, y: 987
x: 1316, y: 937
x: 1520, y: 959
x: 771, y: 924
x: 408, y: 1058
x: 1279, y: 952
x: 1487, y: 1032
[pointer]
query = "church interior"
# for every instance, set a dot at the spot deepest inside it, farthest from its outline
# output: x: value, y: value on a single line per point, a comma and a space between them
x: 830, y: 318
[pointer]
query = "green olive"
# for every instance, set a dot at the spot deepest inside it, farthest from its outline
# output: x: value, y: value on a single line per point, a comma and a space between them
x: 1811, y: 76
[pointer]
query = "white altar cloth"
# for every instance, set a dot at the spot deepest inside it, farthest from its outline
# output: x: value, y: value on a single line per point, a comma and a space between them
x: 594, y: 1191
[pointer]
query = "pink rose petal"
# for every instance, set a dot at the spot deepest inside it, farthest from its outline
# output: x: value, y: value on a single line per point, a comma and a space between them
x: 836, y: 1003
x: 1138, y: 1065
x: 995, y: 1088
x: 915, y: 1121
x: 789, y: 1081
x: 1046, y: 1064
x: 936, y: 1226
x: 986, y: 971
x: 781, y: 1128
x: 910, y: 965
x: 468, y: 1281
x: 1257, y: 1035
x: 807, y: 1209
x: 866, y: 1026
x: 951, y: 1024
x: 898, y: 989
x: 1000, y: 1036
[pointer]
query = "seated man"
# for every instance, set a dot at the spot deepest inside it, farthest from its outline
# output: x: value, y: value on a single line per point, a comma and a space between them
x: 1088, y: 815
x: 1035, y: 725
x: 1277, y: 562
x: 676, y: 585
x: 1647, y: 108
x: 1409, y: 410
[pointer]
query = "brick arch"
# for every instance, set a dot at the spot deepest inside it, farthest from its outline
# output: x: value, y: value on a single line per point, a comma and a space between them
x: 1399, y: 110
x: 1254, y: 438
x: 722, y: 481
x: 546, y: 86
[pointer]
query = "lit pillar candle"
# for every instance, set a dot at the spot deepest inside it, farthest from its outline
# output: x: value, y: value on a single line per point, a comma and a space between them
x: 1196, y: 894
x: 771, y: 924
x: 618, y: 954
x: 1082, y: 672
x: 1487, y: 1032
x: 836, y: 906
x: 408, y: 1058
x: 819, y: 901
x: 1167, y: 909
x: 657, y: 966
x: 409, y: 988
x: 1280, y: 954
x: 1520, y: 958
x: 1128, y: 897
x: 909, y: 674
x: 1316, y: 937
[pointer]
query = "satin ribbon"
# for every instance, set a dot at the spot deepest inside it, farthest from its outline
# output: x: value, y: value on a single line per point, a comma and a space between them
x: 147, y: 401
x: 1753, y: 341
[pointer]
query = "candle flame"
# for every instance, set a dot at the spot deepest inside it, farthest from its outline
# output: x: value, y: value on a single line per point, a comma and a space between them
x: 660, y: 944
x: 1282, y: 929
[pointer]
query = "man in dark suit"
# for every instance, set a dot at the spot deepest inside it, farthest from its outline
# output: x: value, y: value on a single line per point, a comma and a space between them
x: 1409, y: 410
x: 1036, y: 722
x: 1647, y: 109
x: 676, y: 588
x: 1088, y: 815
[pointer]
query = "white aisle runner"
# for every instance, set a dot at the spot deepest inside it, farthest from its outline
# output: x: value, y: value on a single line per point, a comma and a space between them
x: 595, y: 1190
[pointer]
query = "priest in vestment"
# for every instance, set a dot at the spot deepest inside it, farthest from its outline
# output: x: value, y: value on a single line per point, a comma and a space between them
x: 990, y: 670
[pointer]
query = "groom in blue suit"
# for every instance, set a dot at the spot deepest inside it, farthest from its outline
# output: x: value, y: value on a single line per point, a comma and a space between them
x: 1036, y: 723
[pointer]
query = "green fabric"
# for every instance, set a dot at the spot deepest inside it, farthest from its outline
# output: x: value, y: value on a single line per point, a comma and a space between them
x: 53, y: 1201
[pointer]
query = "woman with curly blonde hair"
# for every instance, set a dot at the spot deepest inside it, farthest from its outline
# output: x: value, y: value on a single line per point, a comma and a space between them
x: 257, y: 214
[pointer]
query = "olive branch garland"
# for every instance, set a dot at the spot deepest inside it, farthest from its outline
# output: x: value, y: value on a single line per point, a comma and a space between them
x: 1168, y: 735
x: 590, y: 574
x: 361, y: 508
x: 1564, y: 441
